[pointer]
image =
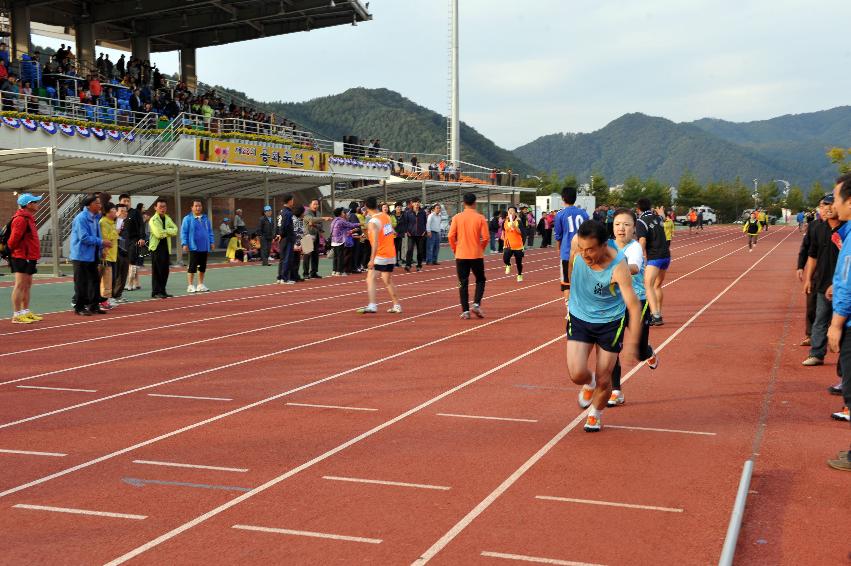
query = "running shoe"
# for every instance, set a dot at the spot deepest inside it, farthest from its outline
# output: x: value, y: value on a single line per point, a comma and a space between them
x: 407, y: 269
x: 585, y: 396
x: 842, y: 415
x: 288, y: 282
x: 616, y: 398
x: 593, y: 424
x: 22, y: 319
x: 520, y: 279
x: 367, y: 310
x: 112, y: 303
x: 105, y: 306
x: 477, y: 310
x: 465, y: 315
x: 656, y: 320
x: 507, y: 269
x: 191, y: 289
x: 842, y: 454
x: 806, y: 342
x: 840, y: 464
x: 34, y: 317
x: 201, y: 289
x: 812, y: 361
x: 653, y: 362
x: 395, y: 309
x: 835, y: 389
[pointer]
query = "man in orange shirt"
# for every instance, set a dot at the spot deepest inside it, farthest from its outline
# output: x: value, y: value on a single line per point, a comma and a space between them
x: 468, y: 238
x: 382, y: 258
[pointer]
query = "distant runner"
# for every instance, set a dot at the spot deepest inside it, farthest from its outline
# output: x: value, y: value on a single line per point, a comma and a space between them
x: 512, y: 234
x: 601, y: 293
x: 567, y: 223
x: 752, y: 228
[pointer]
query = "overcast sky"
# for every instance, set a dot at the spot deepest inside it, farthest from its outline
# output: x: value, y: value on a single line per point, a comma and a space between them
x: 542, y: 66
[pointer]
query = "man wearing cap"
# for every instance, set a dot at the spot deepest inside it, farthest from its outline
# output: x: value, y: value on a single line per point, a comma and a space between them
x: 25, y: 252
x: 87, y: 247
x: 196, y: 236
x: 825, y: 244
x: 266, y: 231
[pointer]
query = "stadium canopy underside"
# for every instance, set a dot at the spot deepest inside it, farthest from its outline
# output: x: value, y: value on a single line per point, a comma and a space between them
x: 175, y: 24
x: 431, y: 192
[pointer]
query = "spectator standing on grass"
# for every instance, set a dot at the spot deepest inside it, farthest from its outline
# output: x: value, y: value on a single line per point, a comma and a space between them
x: 285, y: 237
x: 110, y: 255
x: 310, y: 242
x: 196, y: 237
x: 415, y: 223
x: 25, y: 250
x: 433, y: 223
x: 86, y: 246
x: 468, y: 238
x: 266, y: 233
x: 162, y: 229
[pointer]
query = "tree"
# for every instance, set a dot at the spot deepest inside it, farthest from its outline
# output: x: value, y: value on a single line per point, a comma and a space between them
x: 795, y: 199
x: 841, y: 158
x: 816, y: 192
x: 689, y: 191
x: 768, y: 196
x: 600, y: 189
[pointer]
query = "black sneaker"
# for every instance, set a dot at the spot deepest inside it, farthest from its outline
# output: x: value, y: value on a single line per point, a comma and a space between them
x: 316, y: 276
x: 656, y: 320
x: 408, y: 268
x: 835, y: 389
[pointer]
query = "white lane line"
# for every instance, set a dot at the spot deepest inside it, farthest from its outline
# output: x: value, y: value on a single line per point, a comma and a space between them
x: 79, y: 511
x: 330, y: 407
x: 300, y: 321
x: 486, y: 418
x: 662, y: 430
x: 608, y: 503
x: 353, y: 281
x: 310, y: 463
x: 31, y: 453
x: 391, y: 483
x: 189, y: 397
x: 536, y: 559
x: 318, y: 342
x: 57, y: 388
x: 329, y: 378
x: 179, y: 465
x: 480, y: 508
x: 307, y: 534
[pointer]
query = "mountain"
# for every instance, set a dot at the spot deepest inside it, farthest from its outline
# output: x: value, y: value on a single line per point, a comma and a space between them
x: 636, y: 144
x: 798, y: 139
x: 399, y: 123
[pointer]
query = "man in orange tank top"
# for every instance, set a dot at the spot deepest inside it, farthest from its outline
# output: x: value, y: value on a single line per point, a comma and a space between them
x: 382, y: 259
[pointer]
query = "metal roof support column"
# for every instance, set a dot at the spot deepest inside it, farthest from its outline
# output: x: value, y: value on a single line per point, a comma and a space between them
x: 425, y: 196
x: 178, y: 249
x: 458, y: 208
x: 188, y: 72
x: 20, y: 39
x: 265, y: 188
x: 489, y: 213
x: 384, y: 184
x: 56, y: 235
x: 141, y: 47
x: 85, y: 39
x: 333, y: 193
x: 210, y: 213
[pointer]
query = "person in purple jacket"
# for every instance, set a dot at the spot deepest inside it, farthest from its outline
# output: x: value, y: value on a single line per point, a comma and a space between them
x: 341, y: 240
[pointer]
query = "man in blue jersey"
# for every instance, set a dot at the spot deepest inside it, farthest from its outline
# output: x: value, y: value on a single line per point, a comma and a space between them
x: 838, y: 336
x: 567, y: 224
x: 600, y: 296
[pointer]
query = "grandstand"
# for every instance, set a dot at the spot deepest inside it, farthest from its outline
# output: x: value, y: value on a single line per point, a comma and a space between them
x: 80, y: 124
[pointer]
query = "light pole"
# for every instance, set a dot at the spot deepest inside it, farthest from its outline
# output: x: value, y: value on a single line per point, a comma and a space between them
x: 755, y: 193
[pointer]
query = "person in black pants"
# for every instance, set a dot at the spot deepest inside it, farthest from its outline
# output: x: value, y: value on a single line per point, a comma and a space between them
x: 400, y: 230
x: 468, y: 238
x: 285, y: 236
x: 803, y: 254
x: 310, y: 243
x: 415, y: 227
x: 266, y: 231
x: 87, y: 246
x: 163, y: 229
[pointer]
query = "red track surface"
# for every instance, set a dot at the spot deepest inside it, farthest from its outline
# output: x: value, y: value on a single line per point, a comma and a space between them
x: 730, y: 315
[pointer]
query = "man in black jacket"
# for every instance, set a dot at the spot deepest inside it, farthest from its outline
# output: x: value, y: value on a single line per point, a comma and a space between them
x: 400, y: 230
x: 266, y: 231
x: 285, y: 236
x: 811, y: 296
x: 415, y: 227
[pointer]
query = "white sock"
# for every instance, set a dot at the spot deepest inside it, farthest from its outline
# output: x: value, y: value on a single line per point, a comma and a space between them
x: 595, y: 412
x: 593, y: 384
x: 372, y: 306
x: 25, y: 311
x: 18, y: 313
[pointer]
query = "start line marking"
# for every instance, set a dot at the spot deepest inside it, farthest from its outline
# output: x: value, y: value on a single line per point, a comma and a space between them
x: 662, y: 430
x: 79, y: 511
x: 57, y: 388
x: 393, y: 483
x: 608, y: 503
x: 523, y: 558
x: 330, y: 407
x: 188, y: 397
x: 307, y: 534
x: 30, y: 453
x: 198, y: 466
x: 487, y: 418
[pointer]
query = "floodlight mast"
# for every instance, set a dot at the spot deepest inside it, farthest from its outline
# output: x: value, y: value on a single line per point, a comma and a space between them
x: 454, y: 122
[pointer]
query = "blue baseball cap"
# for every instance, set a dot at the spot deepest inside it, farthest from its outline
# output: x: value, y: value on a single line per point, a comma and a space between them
x: 267, y: 208
x: 27, y: 198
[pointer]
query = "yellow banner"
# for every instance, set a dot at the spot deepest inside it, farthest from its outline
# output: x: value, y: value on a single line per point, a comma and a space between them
x: 259, y: 155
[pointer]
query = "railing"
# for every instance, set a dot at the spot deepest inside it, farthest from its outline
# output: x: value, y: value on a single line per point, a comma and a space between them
x: 69, y: 205
x: 160, y: 145
x: 39, y: 106
x: 231, y: 127
x: 139, y: 135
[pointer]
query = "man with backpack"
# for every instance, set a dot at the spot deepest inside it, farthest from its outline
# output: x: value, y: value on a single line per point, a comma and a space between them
x: 24, y: 249
x: 650, y: 231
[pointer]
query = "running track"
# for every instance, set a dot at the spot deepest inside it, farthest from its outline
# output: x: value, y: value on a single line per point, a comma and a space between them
x: 305, y: 434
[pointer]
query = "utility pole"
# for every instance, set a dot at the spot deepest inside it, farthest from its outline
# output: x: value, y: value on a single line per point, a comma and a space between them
x: 454, y: 125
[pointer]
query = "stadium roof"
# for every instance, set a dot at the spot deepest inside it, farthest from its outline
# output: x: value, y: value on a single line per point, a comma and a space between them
x: 172, y: 24
x: 83, y: 172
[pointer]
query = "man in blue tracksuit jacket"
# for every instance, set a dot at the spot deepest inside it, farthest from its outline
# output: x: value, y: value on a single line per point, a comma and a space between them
x: 86, y: 249
x: 196, y: 237
x: 839, y: 335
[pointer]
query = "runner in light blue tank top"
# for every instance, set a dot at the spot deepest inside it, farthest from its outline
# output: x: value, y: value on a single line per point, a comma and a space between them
x: 601, y: 294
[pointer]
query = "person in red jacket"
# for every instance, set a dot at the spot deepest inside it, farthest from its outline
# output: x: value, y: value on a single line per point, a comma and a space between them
x: 26, y: 251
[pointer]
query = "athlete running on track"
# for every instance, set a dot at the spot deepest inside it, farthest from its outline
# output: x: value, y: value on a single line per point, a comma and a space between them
x: 650, y: 233
x: 601, y: 293
x: 567, y: 223
x: 624, y: 229
x: 382, y: 258
x: 752, y: 228
x: 468, y: 238
x: 512, y: 235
